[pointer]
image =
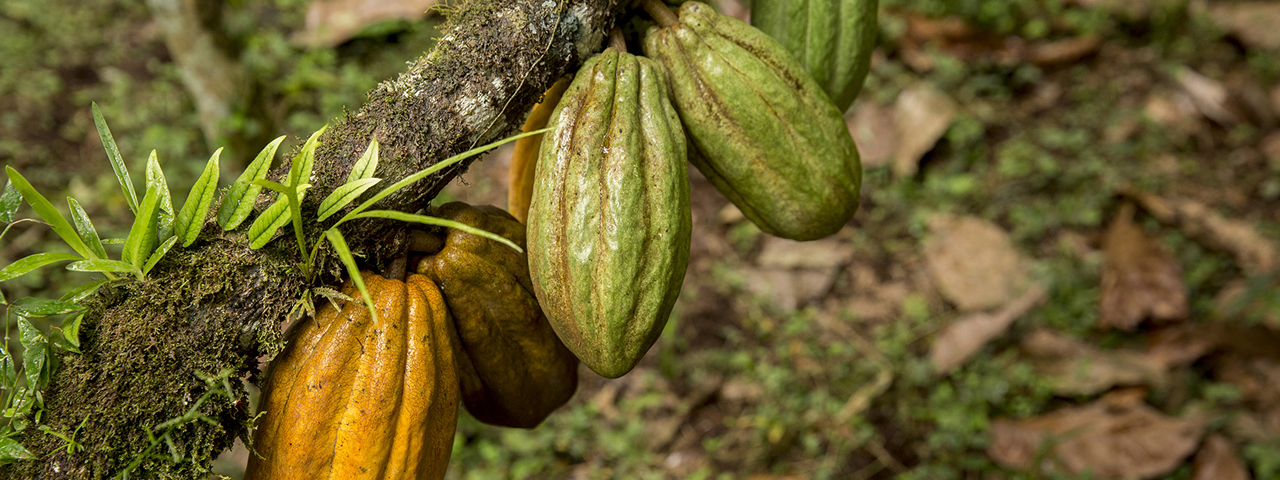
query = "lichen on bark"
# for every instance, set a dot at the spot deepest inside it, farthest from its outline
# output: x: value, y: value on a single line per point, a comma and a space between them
x: 219, y: 305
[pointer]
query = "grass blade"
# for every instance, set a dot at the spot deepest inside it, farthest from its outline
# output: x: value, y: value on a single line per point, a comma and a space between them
x: 410, y: 217
x: 102, y: 266
x: 32, y: 262
x: 367, y: 164
x: 237, y: 205
x: 344, y: 253
x: 164, y: 217
x: 84, y: 228
x: 271, y: 219
x: 155, y: 257
x: 46, y: 211
x: 81, y: 291
x: 143, y: 235
x: 117, y: 163
x: 344, y: 195
x: 300, y: 169
x: 424, y: 173
x: 190, y: 219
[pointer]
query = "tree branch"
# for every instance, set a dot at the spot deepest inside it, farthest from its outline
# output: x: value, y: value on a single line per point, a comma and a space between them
x: 219, y: 305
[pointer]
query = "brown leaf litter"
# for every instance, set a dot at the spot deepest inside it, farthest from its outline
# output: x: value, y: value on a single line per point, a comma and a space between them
x: 1140, y: 277
x: 974, y: 263
x: 960, y: 340
x: 1119, y: 436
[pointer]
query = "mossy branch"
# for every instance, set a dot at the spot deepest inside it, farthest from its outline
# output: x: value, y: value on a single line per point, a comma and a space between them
x: 219, y: 305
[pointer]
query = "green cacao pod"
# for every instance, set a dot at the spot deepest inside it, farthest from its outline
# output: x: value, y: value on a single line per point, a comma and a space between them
x: 353, y: 397
x: 833, y: 39
x: 610, y: 221
x: 765, y: 133
x: 512, y: 369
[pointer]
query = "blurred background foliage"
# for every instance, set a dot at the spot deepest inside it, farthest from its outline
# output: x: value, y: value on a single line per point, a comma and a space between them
x: 777, y: 368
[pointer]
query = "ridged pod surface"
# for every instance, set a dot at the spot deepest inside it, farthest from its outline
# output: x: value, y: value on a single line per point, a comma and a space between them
x: 524, y: 156
x: 610, y: 221
x: 355, y: 398
x: 833, y: 39
x: 512, y: 368
x: 765, y: 133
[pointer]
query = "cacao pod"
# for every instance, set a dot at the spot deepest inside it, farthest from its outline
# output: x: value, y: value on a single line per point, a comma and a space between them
x: 512, y: 369
x: 765, y: 133
x: 352, y: 397
x: 524, y: 156
x: 610, y: 220
x: 833, y: 39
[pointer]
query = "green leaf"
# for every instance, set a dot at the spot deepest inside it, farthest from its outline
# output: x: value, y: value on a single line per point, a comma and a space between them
x: 10, y: 200
x: 155, y: 257
x: 11, y: 451
x: 237, y: 205
x: 84, y: 228
x: 426, y: 172
x: 79, y: 293
x: 300, y: 169
x: 273, y: 186
x: 32, y: 307
x: 117, y: 163
x: 103, y: 266
x: 46, y: 211
x: 409, y: 217
x: 8, y: 370
x: 143, y: 236
x: 164, y: 217
x: 344, y: 195
x: 191, y: 218
x: 71, y: 330
x: 32, y: 262
x: 271, y: 219
x: 367, y: 164
x: 344, y: 252
x: 35, y: 349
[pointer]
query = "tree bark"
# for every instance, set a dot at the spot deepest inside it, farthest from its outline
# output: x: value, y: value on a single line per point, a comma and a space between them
x: 218, y: 305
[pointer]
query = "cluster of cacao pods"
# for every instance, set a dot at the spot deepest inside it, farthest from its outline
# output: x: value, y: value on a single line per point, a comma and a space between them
x: 355, y: 395
x: 605, y: 195
x: 606, y: 188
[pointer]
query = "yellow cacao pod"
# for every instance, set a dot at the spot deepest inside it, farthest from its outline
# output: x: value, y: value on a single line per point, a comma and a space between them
x: 512, y: 368
x: 352, y: 397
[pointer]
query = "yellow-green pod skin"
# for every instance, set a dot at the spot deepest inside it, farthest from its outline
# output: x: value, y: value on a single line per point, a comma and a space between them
x: 765, y: 133
x: 833, y: 39
x: 610, y: 220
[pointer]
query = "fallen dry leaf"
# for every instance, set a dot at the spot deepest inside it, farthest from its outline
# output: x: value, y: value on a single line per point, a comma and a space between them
x: 332, y: 22
x: 1112, y: 438
x: 1209, y: 96
x: 873, y: 130
x: 974, y: 263
x: 1254, y: 23
x: 1217, y: 460
x: 922, y: 114
x: 956, y: 343
x: 1256, y: 300
x: 1254, y: 253
x: 1074, y: 368
x: 1140, y: 277
x: 1064, y: 51
x: 791, y: 273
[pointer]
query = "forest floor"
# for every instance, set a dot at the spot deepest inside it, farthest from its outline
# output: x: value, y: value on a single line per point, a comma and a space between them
x: 1066, y: 263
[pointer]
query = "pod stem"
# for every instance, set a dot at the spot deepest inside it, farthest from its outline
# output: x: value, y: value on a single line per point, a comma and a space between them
x: 616, y: 41
x: 660, y: 13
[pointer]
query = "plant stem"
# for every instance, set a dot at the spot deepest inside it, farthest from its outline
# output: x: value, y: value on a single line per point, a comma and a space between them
x: 616, y: 41
x: 660, y: 13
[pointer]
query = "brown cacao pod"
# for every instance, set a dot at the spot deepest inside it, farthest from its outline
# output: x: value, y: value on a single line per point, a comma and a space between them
x: 512, y: 368
x: 610, y: 220
x: 352, y: 397
x: 766, y: 134
x: 524, y: 156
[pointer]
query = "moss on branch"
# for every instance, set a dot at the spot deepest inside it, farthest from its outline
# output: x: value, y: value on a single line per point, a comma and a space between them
x: 219, y: 305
